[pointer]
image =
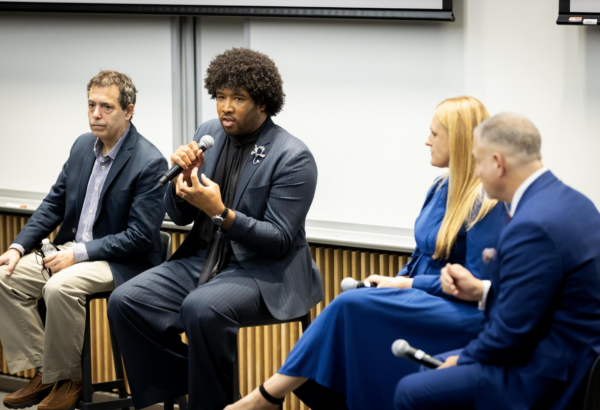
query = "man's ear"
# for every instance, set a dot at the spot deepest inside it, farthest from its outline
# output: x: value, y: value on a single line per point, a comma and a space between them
x: 129, y: 111
x: 500, y: 164
x: 262, y: 108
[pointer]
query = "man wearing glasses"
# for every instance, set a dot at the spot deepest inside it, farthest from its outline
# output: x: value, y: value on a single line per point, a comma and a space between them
x: 110, y: 209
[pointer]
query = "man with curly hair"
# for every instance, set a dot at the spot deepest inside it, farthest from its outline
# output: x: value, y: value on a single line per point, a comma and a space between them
x: 246, y: 259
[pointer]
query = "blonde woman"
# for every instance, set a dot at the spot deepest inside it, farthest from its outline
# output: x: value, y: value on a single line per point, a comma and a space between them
x: 344, y: 358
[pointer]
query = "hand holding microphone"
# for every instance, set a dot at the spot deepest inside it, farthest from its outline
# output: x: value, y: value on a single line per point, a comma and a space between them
x: 186, y: 157
x: 401, y: 348
x: 351, y: 283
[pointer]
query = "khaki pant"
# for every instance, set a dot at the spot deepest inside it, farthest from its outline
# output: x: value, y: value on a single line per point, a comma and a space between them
x: 57, y: 348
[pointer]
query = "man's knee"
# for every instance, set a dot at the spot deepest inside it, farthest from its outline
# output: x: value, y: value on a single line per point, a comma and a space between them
x: 199, y: 308
x: 119, y: 301
x: 58, y: 288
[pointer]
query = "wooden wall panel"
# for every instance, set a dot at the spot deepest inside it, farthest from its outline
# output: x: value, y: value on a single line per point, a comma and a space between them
x: 262, y: 350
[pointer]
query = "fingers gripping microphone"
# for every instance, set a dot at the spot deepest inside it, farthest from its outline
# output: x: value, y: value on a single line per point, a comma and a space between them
x: 401, y: 348
x: 350, y: 283
x: 206, y: 142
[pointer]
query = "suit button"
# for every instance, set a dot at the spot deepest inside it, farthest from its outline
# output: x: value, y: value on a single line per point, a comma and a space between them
x: 74, y: 230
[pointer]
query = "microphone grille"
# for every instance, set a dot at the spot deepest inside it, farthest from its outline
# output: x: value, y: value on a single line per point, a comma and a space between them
x: 348, y: 284
x: 400, y: 348
x: 207, y: 141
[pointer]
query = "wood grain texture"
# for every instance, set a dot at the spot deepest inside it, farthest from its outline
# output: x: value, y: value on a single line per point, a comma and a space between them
x: 262, y: 350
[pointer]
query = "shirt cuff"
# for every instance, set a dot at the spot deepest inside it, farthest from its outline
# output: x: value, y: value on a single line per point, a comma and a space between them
x: 177, y: 198
x: 486, y: 289
x: 81, y: 254
x: 17, y: 247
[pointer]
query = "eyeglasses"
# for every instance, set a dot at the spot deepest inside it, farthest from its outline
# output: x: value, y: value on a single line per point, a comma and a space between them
x: 39, y: 257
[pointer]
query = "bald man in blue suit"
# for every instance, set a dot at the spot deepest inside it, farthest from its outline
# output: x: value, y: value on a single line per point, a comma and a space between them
x: 542, y: 332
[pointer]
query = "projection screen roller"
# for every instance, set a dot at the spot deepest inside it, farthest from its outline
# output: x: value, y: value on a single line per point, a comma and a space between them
x: 440, y: 10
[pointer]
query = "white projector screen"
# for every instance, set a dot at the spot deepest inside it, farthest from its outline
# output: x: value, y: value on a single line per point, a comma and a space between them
x: 359, y: 4
x: 433, y: 10
x: 585, y: 6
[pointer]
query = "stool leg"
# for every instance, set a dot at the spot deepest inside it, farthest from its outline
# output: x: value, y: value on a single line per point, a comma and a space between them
x: 86, y: 362
x: 117, y: 359
x: 306, y: 322
x: 236, y: 379
x: 183, y: 404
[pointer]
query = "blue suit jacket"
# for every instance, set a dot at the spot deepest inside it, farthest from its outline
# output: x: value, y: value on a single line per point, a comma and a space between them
x: 543, y: 315
x: 127, y: 226
x: 268, y: 236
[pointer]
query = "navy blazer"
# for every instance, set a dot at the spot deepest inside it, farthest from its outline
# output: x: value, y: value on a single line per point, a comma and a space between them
x: 272, y: 198
x: 130, y: 212
x: 543, y: 312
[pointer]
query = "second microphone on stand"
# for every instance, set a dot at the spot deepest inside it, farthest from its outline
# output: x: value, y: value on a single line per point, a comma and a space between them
x: 350, y: 283
x: 401, y: 348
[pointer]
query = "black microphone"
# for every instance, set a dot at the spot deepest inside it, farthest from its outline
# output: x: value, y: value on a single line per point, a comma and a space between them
x: 206, y: 142
x: 350, y: 283
x: 401, y: 348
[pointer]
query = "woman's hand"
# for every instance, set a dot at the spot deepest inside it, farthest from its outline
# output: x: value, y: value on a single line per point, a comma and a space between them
x: 399, y: 282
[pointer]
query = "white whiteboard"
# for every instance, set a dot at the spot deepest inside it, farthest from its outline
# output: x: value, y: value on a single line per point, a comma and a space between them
x: 46, y: 63
x: 362, y: 95
x: 361, y: 4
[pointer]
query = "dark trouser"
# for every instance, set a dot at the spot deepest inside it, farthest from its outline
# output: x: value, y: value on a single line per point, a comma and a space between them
x: 149, y: 313
x: 318, y: 397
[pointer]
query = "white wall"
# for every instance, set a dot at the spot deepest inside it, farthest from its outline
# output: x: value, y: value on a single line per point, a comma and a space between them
x: 46, y: 62
x: 360, y: 93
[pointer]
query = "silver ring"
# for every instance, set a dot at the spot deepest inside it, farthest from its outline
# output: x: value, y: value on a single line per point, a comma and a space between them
x: 182, y: 195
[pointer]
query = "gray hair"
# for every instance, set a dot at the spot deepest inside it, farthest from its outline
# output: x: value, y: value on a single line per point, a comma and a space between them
x: 106, y: 78
x: 514, y: 132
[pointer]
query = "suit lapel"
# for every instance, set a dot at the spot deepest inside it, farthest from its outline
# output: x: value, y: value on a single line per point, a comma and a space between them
x: 89, y: 159
x: 119, y: 162
x: 250, y: 168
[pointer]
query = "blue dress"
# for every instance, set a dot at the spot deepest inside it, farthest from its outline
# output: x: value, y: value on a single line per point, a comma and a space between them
x: 348, y: 347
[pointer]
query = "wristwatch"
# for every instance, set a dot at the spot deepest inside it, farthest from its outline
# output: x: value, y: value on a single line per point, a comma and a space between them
x: 219, y: 219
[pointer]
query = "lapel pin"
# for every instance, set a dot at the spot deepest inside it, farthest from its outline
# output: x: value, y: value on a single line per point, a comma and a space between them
x: 259, y: 152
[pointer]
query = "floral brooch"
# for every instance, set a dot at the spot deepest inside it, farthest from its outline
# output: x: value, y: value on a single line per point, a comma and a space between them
x: 259, y: 152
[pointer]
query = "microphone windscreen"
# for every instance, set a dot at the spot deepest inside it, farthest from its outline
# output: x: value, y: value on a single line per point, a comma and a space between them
x: 400, y: 348
x: 348, y: 284
x: 207, y: 141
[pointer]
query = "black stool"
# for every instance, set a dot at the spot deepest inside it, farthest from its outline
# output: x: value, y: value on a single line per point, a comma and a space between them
x: 124, y: 402
x: 592, y: 393
x: 304, y: 320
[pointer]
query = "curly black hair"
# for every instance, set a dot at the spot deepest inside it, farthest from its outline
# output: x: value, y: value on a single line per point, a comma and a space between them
x: 242, y: 68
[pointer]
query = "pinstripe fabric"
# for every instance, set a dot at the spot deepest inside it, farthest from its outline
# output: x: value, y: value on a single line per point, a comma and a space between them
x: 92, y: 195
x: 150, y: 311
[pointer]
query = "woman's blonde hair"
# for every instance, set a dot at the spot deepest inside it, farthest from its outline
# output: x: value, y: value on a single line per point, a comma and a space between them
x: 466, y: 204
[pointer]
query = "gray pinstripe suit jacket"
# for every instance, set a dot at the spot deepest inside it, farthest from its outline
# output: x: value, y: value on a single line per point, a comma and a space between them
x: 268, y: 236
